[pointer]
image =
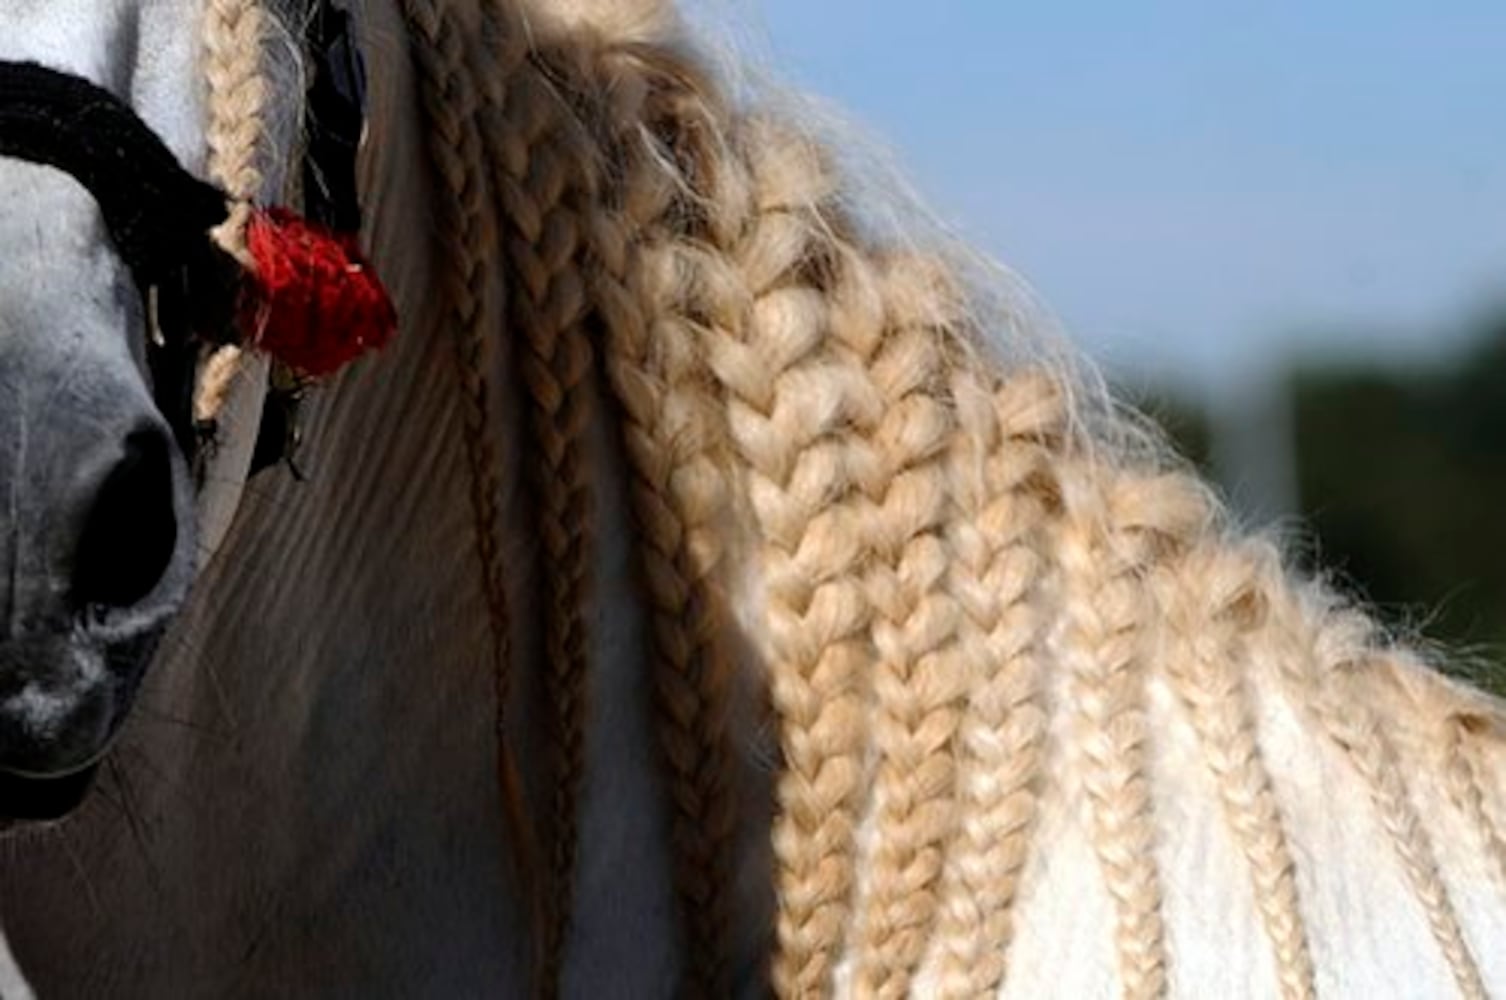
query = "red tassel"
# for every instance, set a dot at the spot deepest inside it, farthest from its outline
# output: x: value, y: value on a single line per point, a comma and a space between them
x: 315, y: 302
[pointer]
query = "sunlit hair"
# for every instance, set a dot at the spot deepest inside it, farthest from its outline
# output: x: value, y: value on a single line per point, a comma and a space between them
x: 845, y: 438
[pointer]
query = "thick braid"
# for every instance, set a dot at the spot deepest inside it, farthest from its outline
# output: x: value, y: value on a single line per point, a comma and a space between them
x: 234, y: 35
x: 1209, y: 602
x: 920, y: 675
x: 1462, y: 773
x: 1102, y: 650
x: 1000, y: 471
x: 661, y: 288
x: 1324, y: 645
x: 537, y: 156
x: 1114, y: 521
x: 1002, y: 483
x: 798, y: 414
x: 451, y: 103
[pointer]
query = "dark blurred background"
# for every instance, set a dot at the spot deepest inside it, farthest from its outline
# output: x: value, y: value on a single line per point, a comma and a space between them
x: 1391, y: 476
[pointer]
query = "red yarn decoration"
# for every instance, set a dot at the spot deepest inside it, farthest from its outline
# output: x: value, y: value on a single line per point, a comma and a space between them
x: 315, y: 303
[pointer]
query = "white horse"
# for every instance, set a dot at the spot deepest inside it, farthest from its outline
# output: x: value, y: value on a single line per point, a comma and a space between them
x: 1039, y: 726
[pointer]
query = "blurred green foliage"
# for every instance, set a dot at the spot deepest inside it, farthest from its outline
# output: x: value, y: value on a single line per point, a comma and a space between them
x: 1401, y: 476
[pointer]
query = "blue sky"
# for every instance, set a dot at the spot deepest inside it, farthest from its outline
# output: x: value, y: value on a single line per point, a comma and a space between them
x: 1195, y: 188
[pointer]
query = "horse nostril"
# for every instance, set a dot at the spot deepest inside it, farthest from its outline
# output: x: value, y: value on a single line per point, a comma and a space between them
x: 130, y: 530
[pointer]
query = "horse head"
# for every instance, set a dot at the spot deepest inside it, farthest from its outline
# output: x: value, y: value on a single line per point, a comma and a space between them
x: 101, y: 539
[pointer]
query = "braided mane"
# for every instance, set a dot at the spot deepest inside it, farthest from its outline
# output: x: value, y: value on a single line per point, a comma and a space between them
x: 966, y: 588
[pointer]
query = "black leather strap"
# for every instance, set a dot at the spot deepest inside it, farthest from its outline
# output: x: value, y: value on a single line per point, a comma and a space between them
x: 336, y: 118
x: 158, y: 215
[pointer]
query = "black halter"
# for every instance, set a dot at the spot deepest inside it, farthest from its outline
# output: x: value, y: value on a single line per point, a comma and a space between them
x: 159, y: 216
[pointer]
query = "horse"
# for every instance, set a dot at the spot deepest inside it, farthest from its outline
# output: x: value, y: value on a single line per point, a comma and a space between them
x: 707, y: 592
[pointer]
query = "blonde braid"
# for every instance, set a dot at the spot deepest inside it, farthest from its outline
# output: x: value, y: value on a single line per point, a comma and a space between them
x: 539, y: 170
x: 661, y: 289
x: 919, y: 675
x: 1325, y: 647
x: 451, y: 103
x: 234, y: 34
x: 1462, y: 774
x: 1114, y: 522
x: 1001, y: 478
x: 1209, y: 600
x: 798, y: 418
x: 1356, y: 729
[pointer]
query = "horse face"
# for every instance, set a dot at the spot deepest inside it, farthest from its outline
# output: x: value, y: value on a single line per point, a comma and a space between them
x: 97, y: 532
x: 97, y: 543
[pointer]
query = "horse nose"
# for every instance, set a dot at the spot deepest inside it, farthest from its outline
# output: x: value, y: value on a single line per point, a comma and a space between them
x: 130, y: 529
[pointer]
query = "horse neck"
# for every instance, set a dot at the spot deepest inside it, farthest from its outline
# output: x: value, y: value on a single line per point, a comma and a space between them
x: 321, y: 724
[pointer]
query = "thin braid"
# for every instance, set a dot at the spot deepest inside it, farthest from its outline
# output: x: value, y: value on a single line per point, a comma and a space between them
x: 1000, y: 475
x: 234, y: 34
x: 234, y: 37
x: 1375, y: 759
x: 535, y: 153
x: 1325, y: 651
x: 1462, y: 774
x: 1209, y: 601
x: 450, y: 101
x: 659, y: 297
x: 797, y: 418
x: 920, y: 675
x: 1100, y: 554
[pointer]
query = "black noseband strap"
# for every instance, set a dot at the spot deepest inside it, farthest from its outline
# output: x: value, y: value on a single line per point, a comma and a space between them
x: 158, y: 214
